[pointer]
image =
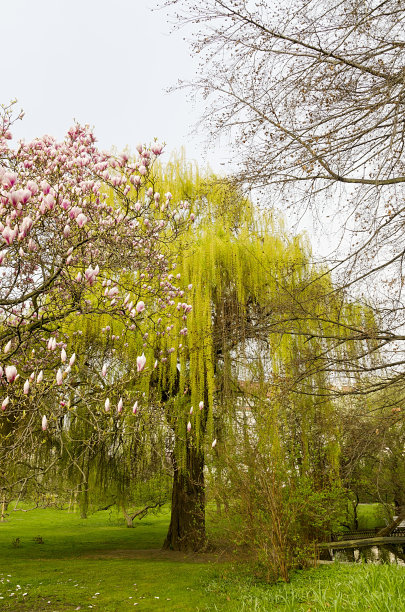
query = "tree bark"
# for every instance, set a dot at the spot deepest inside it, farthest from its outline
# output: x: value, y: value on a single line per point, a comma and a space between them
x: 4, y: 506
x: 84, y: 488
x: 129, y: 519
x: 187, y: 521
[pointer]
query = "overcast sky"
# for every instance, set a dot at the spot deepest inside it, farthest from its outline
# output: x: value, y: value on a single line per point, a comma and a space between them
x: 103, y: 63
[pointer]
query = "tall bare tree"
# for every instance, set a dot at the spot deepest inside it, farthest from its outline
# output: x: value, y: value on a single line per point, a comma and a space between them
x: 313, y: 96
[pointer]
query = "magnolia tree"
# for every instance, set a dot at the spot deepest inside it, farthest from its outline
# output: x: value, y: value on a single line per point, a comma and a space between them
x: 83, y: 234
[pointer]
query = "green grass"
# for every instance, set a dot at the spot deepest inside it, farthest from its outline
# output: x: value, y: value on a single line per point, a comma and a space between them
x: 99, y: 564
x: 371, y: 516
x: 343, y: 588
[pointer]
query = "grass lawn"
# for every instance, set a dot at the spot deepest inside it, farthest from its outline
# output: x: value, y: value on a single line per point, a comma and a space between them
x: 371, y: 516
x: 51, y: 560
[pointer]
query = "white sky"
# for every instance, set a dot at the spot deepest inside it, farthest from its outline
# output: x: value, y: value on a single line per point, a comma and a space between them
x: 108, y: 64
x: 103, y: 63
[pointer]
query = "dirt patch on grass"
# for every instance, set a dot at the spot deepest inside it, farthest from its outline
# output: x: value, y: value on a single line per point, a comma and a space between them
x: 157, y: 554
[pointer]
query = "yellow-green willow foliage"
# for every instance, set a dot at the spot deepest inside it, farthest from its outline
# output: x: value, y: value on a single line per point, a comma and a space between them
x: 251, y: 282
x: 248, y: 282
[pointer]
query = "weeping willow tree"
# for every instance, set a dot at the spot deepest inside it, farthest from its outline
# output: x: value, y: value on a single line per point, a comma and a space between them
x: 265, y: 322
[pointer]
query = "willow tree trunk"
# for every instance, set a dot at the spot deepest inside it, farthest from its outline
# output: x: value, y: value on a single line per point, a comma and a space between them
x: 187, y: 522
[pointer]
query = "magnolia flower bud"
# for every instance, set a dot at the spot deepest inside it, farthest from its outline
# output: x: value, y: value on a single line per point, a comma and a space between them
x: 140, y: 362
x: 107, y: 405
x: 72, y: 359
x: 63, y: 355
x: 140, y: 307
x: 11, y: 373
x: 40, y: 377
x: 5, y: 403
x: 44, y: 423
x: 7, y: 347
x: 104, y: 370
x: 135, y: 408
x: 59, y: 377
x: 201, y: 405
x: 189, y: 426
x: 191, y: 410
x: 119, y: 407
x: 214, y: 443
x: 26, y: 387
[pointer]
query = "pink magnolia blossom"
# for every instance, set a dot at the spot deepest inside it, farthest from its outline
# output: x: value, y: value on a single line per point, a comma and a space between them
x: 33, y: 187
x: 9, y: 234
x: 9, y: 179
x: 135, y: 408
x: 91, y: 274
x: 189, y: 426
x: 201, y: 405
x: 49, y: 201
x: 45, y: 187
x: 63, y: 355
x: 119, y: 406
x: 27, y: 387
x: 81, y: 220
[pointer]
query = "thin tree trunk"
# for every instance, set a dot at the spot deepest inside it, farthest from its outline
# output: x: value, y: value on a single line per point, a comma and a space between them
x: 84, y: 501
x: 187, y: 521
x: 4, y: 506
x: 129, y: 519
